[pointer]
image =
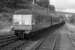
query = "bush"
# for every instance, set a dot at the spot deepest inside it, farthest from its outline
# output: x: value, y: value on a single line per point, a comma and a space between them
x: 72, y: 19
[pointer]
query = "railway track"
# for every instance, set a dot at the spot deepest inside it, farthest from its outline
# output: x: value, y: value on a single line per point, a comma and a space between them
x: 14, y: 46
x: 5, y: 40
x: 42, y: 44
x: 12, y: 43
x: 28, y: 45
x: 37, y: 45
x: 48, y: 43
x: 57, y: 45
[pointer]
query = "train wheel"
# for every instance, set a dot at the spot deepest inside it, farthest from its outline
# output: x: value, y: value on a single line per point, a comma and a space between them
x: 20, y: 35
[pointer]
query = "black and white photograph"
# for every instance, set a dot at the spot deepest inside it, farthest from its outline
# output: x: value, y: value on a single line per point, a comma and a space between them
x: 37, y: 24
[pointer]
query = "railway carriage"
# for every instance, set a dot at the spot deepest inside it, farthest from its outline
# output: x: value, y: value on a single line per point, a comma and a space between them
x: 26, y: 21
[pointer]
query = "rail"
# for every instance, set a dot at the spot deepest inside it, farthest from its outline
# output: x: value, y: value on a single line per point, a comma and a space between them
x: 5, y: 40
x: 12, y: 43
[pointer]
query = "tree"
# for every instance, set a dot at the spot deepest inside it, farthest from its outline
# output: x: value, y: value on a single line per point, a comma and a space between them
x: 5, y: 5
x: 51, y: 7
x: 72, y: 19
x: 42, y: 3
x: 24, y: 3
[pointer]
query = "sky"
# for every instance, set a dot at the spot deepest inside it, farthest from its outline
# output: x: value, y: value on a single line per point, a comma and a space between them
x: 64, y: 5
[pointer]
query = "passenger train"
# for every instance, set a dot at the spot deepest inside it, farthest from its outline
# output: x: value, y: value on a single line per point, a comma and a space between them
x: 26, y: 21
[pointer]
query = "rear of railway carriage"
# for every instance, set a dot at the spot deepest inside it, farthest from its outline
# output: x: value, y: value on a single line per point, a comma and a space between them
x: 22, y: 22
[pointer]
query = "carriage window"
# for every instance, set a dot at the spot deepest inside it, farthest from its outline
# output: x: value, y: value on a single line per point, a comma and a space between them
x: 23, y: 19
